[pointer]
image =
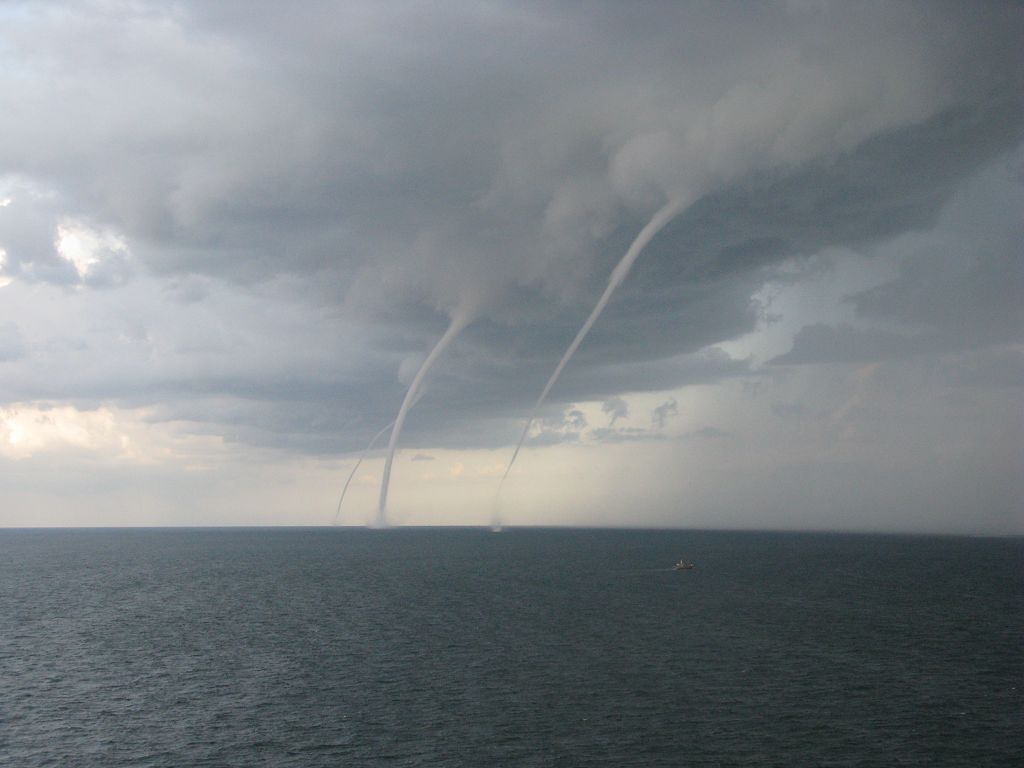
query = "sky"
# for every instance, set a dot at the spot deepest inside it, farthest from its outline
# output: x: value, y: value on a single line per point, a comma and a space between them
x: 231, y: 233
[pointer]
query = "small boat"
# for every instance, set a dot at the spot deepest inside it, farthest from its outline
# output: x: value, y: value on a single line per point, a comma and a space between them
x: 683, y: 566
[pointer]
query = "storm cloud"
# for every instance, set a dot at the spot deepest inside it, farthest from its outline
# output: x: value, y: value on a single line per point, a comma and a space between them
x: 253, y: 220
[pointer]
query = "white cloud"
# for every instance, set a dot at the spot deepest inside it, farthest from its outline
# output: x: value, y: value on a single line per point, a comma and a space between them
x: 27, y: 430
x: 4, y: 279
x: 101, y: 436
x: 86, y: 247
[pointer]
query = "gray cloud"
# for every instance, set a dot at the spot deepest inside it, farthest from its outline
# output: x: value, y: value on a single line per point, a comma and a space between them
x: 616, y: 408
x: 28, y: 230
x: 958, y: 285
x: 667, y: 410
x: 965, y: 278
x: 307, y: 192
x: 12, y: 346
x: 820, y: 343
x: 576, y: 420
x: 1001, y: 368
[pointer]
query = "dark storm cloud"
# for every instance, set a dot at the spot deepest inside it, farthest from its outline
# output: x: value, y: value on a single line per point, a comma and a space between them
x: 377, y: 164
x: 959, y: 285
x: 990, y: 369
x: 820, y: 343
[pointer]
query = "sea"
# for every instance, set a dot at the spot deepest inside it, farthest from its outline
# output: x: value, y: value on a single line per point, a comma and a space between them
x: 528, y: 647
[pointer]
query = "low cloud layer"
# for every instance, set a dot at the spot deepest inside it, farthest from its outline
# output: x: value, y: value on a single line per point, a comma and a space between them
x: 253, y: 221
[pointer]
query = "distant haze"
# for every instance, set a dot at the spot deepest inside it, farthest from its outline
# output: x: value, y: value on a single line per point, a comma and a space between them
x: 231, y: 235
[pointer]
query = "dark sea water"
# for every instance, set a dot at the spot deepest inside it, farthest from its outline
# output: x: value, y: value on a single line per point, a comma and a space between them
x: 459, y: 647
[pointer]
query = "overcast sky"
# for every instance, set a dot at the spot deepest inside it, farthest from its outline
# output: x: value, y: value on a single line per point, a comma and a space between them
x: 231, y: 232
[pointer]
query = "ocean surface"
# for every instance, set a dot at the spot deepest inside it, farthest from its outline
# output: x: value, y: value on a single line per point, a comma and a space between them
x: 461, y: 647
